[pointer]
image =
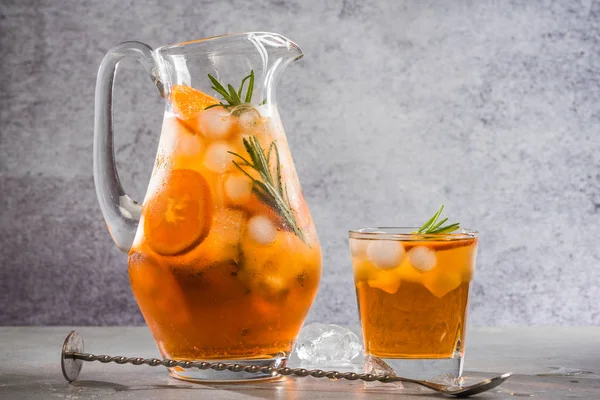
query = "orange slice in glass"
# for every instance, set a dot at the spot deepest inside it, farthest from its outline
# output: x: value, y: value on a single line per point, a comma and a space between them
x: 188, y: 102
x: 177, y: 218
x: 385, y: 280
x: 442, y: 283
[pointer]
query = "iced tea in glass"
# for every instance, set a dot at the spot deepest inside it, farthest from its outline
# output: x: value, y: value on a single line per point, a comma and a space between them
x: 412, y: 292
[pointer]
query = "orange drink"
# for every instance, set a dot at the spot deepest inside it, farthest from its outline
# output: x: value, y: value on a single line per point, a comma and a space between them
x: 219, y: 270
x: 224, y: 259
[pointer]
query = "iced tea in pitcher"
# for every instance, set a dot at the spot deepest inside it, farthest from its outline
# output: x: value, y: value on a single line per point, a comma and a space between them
x: 225, y: 262
x: 222, y: 266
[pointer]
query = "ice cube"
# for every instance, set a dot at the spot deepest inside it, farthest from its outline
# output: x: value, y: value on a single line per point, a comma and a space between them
x: 358, y: 247
x: 376, y: 366
x: 422, y: 258
x: 385, y: 253
x: 238, y: 188
x: 262, y: 230
x: 327, y: 345
x: 189, y: 145
x: 249, y: 117
x: 218, y: 158
x: 215, y: 123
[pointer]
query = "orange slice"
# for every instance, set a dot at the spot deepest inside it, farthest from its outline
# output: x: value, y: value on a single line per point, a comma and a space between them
x: 385, y: 280
x: 440, y: 284
x: 440, y: 245
x: 220, y: 246
x: 177, y: 218
x: 188, y: 102
x: 390, y: 287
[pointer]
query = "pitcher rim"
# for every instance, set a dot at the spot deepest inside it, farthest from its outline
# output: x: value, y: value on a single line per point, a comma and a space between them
x: 291, y: 43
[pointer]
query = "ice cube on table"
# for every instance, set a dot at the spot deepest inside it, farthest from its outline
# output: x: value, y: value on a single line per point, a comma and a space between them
x: 376, y: 366
x: 321, y: 345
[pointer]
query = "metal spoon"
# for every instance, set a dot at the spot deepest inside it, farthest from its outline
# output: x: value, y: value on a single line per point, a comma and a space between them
x: 461, y: 391
x: 72, y: 358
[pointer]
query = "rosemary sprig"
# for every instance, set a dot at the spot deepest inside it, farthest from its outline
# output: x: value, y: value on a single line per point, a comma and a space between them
x: 231, y: 96
x: 433, y: 227
x: 270, y: 189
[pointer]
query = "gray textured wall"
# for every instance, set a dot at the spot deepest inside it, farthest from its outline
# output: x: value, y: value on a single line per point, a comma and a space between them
x: 490, y: 107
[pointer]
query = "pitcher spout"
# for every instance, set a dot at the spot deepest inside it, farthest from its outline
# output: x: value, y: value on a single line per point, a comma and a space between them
x: 277, y: 53
x: 277, y: 46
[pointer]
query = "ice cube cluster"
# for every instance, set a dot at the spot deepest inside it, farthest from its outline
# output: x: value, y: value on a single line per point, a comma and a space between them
x: 320, y: 345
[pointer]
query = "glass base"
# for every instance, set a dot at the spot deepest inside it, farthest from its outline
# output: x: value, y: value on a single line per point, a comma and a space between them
x: 210, y: 375
x: 440, y: 370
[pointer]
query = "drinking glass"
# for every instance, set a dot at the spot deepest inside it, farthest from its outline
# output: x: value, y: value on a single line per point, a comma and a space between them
x: 412, y: 292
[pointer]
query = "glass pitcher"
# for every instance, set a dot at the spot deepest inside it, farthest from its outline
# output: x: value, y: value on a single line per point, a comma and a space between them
x: 224, y: 259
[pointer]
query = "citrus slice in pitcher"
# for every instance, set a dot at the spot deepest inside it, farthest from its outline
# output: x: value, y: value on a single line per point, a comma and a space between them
x: 177, y: 218
x: 188, y: 102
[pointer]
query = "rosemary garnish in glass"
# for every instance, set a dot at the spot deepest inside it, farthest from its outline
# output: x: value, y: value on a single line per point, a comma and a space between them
x: 269, y: 188
x: 433, y: 227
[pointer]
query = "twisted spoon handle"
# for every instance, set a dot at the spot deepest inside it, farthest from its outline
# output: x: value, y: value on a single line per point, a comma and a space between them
x: 219, y: 366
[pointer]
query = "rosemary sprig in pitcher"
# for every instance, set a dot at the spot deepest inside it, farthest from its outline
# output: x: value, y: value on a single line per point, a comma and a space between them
x: 231, y: 96
x: 269, y: 188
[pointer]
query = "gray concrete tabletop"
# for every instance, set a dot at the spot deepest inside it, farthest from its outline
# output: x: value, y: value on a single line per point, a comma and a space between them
x: 548, y: 362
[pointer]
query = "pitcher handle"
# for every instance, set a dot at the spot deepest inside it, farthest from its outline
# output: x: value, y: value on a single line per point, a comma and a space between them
x: 121, y: 213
